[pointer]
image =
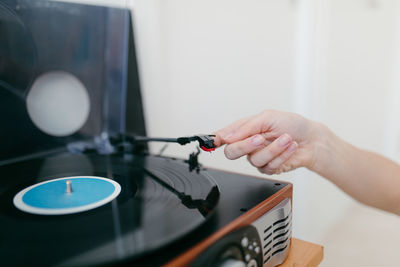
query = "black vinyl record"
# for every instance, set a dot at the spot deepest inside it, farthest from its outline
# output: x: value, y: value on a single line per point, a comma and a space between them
x: 160, y: 202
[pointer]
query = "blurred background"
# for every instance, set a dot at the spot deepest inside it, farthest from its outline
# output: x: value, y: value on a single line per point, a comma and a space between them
x: 204, y: 64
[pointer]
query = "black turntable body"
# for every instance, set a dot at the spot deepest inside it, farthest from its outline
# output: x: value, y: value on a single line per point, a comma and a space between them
x: 75, y: 191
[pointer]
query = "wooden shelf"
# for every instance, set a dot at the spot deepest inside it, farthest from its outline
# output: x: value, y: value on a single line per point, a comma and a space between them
x: 303, y: 254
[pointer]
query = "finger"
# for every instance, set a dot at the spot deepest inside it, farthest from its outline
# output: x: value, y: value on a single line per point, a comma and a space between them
x: 266, y: 170
x: 221, y: 134
x: 254, y: 125
x: 264, y: 156
x: 274, y: 166
x: 244, y: 147
x: 269, y: 171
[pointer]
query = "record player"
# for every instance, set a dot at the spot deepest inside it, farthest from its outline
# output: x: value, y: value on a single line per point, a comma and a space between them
x: 78, y: 186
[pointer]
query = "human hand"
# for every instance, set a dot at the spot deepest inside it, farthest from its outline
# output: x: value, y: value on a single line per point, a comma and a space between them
x: 273, y: 141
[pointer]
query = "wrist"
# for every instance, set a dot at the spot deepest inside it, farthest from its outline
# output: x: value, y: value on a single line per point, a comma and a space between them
x: 326, y: 147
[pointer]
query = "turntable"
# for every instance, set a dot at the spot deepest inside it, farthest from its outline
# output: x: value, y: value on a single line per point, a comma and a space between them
x: 78, y: 186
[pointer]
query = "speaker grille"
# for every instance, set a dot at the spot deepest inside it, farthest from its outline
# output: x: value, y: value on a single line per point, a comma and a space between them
x: 275, y: 230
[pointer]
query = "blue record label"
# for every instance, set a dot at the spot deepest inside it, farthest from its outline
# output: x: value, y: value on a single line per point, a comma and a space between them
x: 67, y: 195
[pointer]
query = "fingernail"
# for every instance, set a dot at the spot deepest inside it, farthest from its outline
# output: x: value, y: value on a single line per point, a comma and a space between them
x: 257, y: 140
x: 293, y: 146
x: 284, y: 140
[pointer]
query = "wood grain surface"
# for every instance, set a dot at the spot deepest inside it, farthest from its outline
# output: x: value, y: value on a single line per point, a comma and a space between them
x: 303, y: 254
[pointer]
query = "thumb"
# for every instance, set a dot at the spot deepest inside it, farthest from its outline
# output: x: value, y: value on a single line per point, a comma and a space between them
x: 220, y: 135
x: 255, y: 125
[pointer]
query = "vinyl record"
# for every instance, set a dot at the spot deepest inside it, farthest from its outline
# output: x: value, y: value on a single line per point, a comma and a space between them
x: 160, y: 202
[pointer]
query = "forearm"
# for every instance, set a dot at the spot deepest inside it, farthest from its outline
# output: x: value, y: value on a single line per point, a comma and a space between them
x: 368, y: 177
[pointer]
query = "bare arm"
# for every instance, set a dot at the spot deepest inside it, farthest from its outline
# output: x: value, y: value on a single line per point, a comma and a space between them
x: 276, y: 142
x: 366, y: 176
